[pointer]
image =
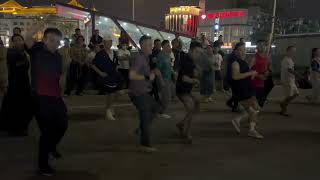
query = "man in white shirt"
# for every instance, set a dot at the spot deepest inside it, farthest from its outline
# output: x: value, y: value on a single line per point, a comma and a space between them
x: 288, y: 79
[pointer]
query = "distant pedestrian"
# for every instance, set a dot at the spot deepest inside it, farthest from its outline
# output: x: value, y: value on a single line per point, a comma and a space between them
x: 78, y: 68
x: 165, y: 81
x: 288, y: 80
x: 315, y: 75
x: 18, y: 104
x: 259, y: 63
x: 218, y: 60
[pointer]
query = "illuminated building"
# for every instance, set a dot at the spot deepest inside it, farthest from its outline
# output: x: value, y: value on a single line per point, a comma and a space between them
x: 183, y: 19
x: 73, y: 15
x: 233, y: 24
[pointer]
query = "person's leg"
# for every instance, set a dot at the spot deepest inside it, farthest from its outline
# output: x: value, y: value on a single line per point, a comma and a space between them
x: 260, y: 96
x: 61, y: 123
x: 82, y: 79
x: 146, y: 116
x: 165, y: 96
x: 110, y: 97
x: 44, y: 119
x: 185, y: 124
x: 315, y: 92
x: 252, y: 108
x: 72, y: 78
x: 291, y: 94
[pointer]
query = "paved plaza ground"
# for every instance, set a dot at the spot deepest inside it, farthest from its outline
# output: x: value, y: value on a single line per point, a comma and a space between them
x: 95, y: 149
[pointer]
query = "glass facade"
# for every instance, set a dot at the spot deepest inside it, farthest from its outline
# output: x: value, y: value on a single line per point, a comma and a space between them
x: 167, y: 36
x: 107, y: 27
x: 186, y: 43
x: 132, y: 30
x: 151, y: 32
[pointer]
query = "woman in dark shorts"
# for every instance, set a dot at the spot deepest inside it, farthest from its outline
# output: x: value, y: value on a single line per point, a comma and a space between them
x: 185, y: 81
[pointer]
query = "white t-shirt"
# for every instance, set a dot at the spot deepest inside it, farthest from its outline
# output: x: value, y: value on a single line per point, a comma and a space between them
x: 286, y: 77
x: 124, y: 63
x: 217, y: 62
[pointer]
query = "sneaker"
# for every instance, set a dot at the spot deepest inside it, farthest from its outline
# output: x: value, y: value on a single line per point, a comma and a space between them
x: 164, y: 116
x: 148, y: 149
x: 46, y: 171
x: 109, y: 115
x: 255, y: 134
x: 236, y: 124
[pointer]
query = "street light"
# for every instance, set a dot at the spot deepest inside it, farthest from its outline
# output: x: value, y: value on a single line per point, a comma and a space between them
x: 133, y: 9
x: 272, y: 25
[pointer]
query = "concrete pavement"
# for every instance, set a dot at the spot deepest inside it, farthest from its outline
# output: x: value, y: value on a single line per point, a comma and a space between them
x: 95, y: 149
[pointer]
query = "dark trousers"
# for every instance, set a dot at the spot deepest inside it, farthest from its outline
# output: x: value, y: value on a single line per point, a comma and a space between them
x: 51, y: 116
x: 77, y: 76
x: 125, y: 76
x: 147, y: 108
x: 260, y: 96
x: 155, y: 91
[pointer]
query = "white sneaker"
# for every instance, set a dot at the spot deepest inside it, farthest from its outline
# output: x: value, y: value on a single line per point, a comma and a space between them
x: 236, y: 124
x: 164, y: 116
x: 147, y: 149
x: 255, y: 134
x: 109, y: 115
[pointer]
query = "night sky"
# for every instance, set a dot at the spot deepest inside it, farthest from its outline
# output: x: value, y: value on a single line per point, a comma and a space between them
x: 147, y: 11
x: 152, y: 11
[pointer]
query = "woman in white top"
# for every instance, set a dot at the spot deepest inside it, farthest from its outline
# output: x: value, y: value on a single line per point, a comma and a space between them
x: 124, y: 56
x: 217, y: 66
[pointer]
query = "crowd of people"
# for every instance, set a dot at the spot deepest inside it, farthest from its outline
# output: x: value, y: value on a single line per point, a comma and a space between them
x: 35, y: 76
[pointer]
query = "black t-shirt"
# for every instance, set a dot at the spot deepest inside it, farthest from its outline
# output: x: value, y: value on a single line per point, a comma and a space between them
x: 242, y: 88
x: 187, y: 68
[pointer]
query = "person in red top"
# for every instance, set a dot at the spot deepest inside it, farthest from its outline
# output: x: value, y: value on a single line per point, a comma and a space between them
x: 259, y: 63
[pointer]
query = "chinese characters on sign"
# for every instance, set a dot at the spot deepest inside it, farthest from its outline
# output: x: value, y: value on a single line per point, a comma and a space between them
x: 225, y: 14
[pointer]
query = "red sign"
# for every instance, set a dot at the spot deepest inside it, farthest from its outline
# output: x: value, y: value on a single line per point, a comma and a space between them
x: 226, y: 14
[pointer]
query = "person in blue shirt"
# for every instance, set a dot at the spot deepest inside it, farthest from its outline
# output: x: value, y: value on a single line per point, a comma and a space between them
x: 165, y: 68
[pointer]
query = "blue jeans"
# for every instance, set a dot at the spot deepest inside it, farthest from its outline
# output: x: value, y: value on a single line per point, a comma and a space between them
x: 206, y: 84
x: 147, y: 108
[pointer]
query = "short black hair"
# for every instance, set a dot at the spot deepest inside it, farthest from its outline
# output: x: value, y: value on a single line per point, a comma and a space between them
x: 17, y: 28
x: 164, y: 42
x: 143, y: 39
x: 77, y: 29
x: 16, y: 35
x: 238, y: 45
x: 195, y: 44
x: 290, y: 47
x: 156, y: 40
x: 52, y: 31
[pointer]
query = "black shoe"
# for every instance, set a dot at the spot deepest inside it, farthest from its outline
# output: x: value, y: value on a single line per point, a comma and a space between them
x: 46, y: 171
x: 56, y: 155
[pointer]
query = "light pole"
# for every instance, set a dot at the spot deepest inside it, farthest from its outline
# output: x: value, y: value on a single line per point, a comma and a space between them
x: 133, y: 9
x: 272, y: 25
